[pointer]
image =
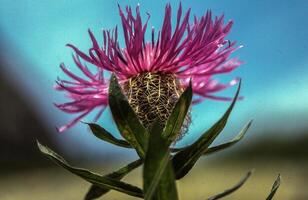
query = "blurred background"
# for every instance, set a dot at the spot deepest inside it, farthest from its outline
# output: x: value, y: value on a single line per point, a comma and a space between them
x: 274, y: 33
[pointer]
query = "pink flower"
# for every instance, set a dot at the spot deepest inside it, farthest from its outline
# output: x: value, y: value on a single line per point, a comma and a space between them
x: 195, y: 51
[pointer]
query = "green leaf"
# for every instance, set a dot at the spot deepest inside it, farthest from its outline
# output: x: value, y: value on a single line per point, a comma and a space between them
x: 103, y: 134
x: 158, y: 175
x: 184, y: 160
x: 274, y: 188
x: 235, y: 140
x: 96, y: 192
x: 104, y: 182
x: 178, y: 114
x: 125, y: 118
x: 223, y: 146
x: 232, y: 189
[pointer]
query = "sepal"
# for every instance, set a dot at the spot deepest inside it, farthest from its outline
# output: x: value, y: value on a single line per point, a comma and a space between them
x: 184, y: 160
x: 96, y: 179
x: 232, y: 189
x: 226, y: 145
x: 125, y: 118
x: 103, y: 134
x: 96, y: 191
x: 274, y: 188
x: 178, y: 115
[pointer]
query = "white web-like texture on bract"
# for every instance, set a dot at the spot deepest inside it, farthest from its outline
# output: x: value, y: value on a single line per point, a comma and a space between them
x: 153, y: 96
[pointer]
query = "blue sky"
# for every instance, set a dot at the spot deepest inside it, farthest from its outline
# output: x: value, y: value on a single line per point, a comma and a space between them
x: 274, y: 34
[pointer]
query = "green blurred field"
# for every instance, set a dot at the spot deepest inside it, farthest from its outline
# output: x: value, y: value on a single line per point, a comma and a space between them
x: 204, y: 181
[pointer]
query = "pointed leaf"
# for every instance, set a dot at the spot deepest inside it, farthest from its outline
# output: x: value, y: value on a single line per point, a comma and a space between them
x: 274, y: 188
x: 104, y: 182
x: 125, y: 118
x: 223, y: 146
x: 235, y: 140
x: 184, y: 160
x: 232, y: 189
x: 178, y: 114
x: 158, y: 175
x: 103, y: 134
x: 96, y: 192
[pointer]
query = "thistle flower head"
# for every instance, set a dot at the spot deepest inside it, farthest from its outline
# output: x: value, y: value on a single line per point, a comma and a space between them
x: 152, y: 73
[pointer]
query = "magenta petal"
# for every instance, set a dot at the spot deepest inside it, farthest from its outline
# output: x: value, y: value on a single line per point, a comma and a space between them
x: 73, y: 122
x: 194, y: 49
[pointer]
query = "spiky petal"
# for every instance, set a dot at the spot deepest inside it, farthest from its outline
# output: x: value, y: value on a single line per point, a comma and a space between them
x: 194, y: 51
x: 85, y: 95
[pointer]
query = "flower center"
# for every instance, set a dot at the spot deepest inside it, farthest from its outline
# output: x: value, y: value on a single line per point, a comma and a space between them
x: 153, y: 96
